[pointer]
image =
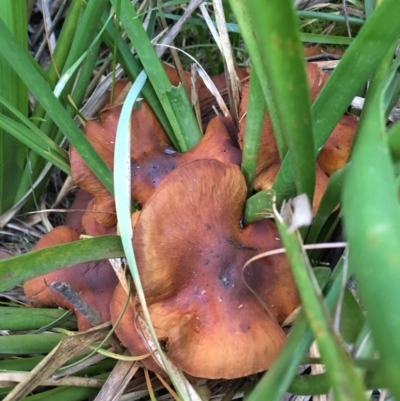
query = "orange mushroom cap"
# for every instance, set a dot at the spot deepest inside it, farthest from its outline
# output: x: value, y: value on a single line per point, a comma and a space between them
x: 190, y: 252
x: 126, y: 330
x: 151, y: 153
x: 93, y: 281
x: 150, y: 169
x: 265, y: 180
x: 268, y: 151
x: 337, y: 148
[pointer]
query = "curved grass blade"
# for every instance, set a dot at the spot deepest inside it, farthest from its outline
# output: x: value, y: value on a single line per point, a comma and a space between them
x: 345, y: 381
x: 41, y: 89
x: 27, y: 137
x: 373, y: 231
x: 259, y: 206
x: 17, y: 269
x: 329, y: 17
x: 123, y: 208
x: 275, y: 41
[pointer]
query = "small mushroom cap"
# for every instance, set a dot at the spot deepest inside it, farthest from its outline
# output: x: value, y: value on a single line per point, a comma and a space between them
x: 190, y: 252
x: 147, y: 136
x: 336, y: 151
x: 94, y: 281
x: 102, y: 137
x: 150, y: 169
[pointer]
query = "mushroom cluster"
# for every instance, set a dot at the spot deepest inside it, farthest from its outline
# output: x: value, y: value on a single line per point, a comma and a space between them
x: 213, y: 319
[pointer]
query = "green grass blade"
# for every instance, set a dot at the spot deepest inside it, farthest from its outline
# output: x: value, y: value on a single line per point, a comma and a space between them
x: 40, y: 88
x: 64, y: 394
x: 23, y: 344
x: 62, y: 48
x: 72, y: 70
x: 187, y: 120
x: 369, y: 6
x: 304, y: 36
x: 24, y: 364
x: 325, y: 39
x: 23, y: 318
x: 394, y: 141
x: 47, y: 142
x: 276, y: 381
x: 133, y: 68
x: 274, y: 29
x: 329, y: 17
x: 258, y: 206
x: 85, y: 33
x: 254, y: 118
x: 158, y: 78
x: 319, y: 384
x: 28, y: 137
x: 12, y: 152
x: 345, y: 381
x: 16, y: 270
x: 373, y: 231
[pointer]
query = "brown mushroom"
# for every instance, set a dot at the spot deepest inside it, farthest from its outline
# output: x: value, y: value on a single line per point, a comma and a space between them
x: 268, y: 151
x: 265, y: 180
x: 128, y: 331
x: 336, y: 151
x: 93, y: 281
x: 151, y: 152
x: 333, y: 155
x: 190, y: 251
x: 149, y: 170
x: 102, y: 137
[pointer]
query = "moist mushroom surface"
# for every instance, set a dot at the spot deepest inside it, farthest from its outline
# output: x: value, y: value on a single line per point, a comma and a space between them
x: 190, y: 251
